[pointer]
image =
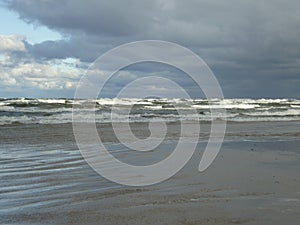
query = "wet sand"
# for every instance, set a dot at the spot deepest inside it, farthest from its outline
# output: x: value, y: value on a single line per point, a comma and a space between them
x: 254, y: 180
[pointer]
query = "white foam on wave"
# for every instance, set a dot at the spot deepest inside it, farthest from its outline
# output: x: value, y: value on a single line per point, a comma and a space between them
x: 3, y: 103
x: 53, y: 101
x: 123, y: 101
x: 228, y: 106
x: 289, y: 112
x: 295, y: 106
x: 6, y: 120
x: 155, y: 107
x: 7, y: 108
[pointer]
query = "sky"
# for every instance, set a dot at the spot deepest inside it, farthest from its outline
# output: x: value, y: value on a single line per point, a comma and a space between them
x: 253, y: 47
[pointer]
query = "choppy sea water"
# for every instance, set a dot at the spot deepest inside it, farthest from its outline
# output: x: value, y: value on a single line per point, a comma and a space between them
x: 56, y: 111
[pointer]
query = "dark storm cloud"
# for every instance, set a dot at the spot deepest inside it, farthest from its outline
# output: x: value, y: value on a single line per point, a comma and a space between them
x: 247, y: 43
x: 62, y: 49
x: 93, y: 16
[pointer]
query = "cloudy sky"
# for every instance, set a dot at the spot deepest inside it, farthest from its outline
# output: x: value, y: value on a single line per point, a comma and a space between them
x: 253, y: 47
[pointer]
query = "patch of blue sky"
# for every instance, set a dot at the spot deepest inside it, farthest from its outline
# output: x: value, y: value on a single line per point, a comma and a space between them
x: 10, y: 23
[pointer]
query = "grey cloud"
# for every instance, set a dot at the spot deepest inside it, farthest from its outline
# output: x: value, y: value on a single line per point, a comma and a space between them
x: 63, y: 49
x: 246, y: 43
x: 92, y: 17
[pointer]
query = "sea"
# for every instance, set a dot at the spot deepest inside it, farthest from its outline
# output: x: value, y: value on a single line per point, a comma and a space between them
x: 59, y: 111
x: 255, y: 179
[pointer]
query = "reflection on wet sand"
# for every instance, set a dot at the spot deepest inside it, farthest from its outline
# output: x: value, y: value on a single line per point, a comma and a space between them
x: 254, y: 180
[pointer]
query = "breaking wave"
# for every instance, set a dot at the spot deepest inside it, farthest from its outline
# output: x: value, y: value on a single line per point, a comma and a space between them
x: 54, y: 111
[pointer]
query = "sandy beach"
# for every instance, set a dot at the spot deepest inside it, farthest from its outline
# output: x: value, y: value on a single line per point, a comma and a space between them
x: 254, y: 180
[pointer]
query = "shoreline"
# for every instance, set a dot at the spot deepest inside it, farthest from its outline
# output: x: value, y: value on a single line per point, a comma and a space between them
x: 254, y: 179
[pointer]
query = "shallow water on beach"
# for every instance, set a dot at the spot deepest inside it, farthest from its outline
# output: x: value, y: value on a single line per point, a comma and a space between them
x: 254, y: 180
